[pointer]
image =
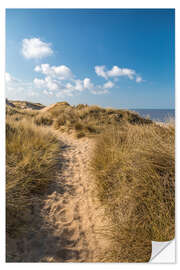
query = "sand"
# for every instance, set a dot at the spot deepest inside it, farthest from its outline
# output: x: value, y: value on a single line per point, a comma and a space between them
x: 67, y: 225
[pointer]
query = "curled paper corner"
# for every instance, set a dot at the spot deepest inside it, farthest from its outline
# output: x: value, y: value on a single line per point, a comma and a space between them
x: 163, y: 252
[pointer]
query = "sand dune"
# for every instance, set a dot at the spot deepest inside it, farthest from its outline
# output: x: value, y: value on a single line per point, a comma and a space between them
x: 45, y: 109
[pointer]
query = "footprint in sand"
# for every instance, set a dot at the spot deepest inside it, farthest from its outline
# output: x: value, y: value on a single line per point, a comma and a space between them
x: 80, y: 189
x: 56, y: 208
x: 65, y: 216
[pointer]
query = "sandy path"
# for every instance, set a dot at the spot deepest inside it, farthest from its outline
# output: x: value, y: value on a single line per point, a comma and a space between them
x: 65, y: 226
x: 73, y: 214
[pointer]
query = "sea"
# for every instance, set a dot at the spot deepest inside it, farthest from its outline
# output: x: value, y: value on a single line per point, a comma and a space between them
x: 159, y: 115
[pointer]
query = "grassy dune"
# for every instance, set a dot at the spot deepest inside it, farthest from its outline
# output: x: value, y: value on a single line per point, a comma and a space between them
x: 31, y: 158
x: 133, y: 167
x: 134, y: 171
x: 25, y: 104
x: 86, y: 120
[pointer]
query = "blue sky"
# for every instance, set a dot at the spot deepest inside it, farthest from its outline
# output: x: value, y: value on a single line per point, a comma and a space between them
x: 120, y: 58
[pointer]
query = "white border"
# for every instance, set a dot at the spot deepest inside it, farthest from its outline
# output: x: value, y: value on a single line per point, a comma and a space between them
x: 166, y: 254
x: 2, y: 136
x: 74, y: 4
x: 89, y: 4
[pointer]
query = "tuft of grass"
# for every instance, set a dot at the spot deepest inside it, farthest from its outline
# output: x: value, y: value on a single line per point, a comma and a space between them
x: 31, y: 157
x: 78, y: 126
x: 134, y: 168
x: 80, y: 135
x: 43, y: 120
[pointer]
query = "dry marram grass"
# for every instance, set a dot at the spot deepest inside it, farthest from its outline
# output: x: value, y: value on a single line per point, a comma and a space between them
x: 31, y: 158
x: 134, y: 169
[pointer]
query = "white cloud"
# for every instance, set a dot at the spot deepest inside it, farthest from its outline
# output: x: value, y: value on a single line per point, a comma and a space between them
x: 69, y: 86
x: 100, y: 92
x: 79, y: 85
x: 51, y: 84
x: 43, y: 68
x: 59, y: 81
x: 108, y: 85
x: 87, y: 84
x: 10, y: 79
x: 100, y: 71
x: 116, y: 72
x: 72, y: 87
x: 33, y: 94
x: 47, y: 83
x: 7, y: 77
x: 35, y: 48
x: 61, y: 72
x: 48, y: 93
x: 39, y: 82
x: 139, y: 79
x: 37, y: 68
x: 97, y: 89
x: 18, y: 89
